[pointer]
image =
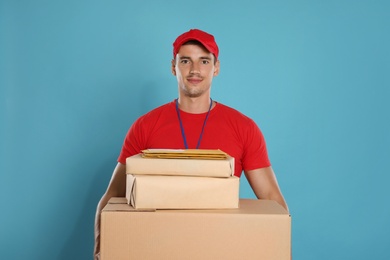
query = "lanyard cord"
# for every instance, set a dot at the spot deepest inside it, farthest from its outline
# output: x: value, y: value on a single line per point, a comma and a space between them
x: 182, y: 128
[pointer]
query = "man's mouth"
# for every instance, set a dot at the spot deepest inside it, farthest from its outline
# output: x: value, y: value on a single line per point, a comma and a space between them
x: 194, y: 80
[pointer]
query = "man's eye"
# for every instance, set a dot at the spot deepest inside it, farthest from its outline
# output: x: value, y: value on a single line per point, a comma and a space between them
x: 205, y: 62
x: 184, y: 61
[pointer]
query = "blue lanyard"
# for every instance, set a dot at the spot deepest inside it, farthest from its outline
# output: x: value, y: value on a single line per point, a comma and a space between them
x: 182, y: 128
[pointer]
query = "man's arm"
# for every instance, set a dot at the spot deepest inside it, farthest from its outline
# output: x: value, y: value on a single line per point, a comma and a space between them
x: 116, y: 188
x: 265, y: 186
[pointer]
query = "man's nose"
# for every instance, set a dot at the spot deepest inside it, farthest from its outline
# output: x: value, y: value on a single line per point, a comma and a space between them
x: 195, y: 68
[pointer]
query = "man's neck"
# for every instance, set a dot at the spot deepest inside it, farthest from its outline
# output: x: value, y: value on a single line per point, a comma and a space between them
x: 196, y: 105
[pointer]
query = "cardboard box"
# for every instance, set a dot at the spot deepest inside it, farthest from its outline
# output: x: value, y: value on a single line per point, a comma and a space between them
x: 190, y: 167
x: 258, y: 229
x: 181, y: 192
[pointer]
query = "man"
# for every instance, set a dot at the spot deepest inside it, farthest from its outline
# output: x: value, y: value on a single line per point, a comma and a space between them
x: 194, y: 120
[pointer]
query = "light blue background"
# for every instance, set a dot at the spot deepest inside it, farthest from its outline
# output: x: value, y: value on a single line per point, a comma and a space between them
x: 314, y: 75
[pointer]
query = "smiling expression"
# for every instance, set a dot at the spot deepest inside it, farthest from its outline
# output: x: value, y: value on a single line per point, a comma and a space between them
x: 194, y: 68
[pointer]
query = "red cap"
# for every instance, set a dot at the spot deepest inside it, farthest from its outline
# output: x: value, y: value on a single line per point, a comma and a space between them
x: 207, y: 40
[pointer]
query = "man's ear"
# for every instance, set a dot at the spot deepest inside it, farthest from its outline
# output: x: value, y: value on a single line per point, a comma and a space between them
x: 173, y: 67
x: 216, y: 68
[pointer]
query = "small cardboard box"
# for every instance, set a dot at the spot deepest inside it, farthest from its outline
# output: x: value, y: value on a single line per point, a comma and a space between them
x: 137, y: 164
x: 258, y: 229
x: 181, y: 192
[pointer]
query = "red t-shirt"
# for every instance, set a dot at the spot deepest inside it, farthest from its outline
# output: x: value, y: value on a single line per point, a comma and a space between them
x: 226, y: 129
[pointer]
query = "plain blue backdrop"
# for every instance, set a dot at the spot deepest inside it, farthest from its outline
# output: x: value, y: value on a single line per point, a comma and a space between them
x: 314, y: 75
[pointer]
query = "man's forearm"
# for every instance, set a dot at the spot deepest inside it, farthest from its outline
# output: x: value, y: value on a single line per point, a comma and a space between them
x: 103, y: 201
x: 116, y: 188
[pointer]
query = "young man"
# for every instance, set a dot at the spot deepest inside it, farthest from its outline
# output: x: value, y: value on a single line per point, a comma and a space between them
x: 194, y: 120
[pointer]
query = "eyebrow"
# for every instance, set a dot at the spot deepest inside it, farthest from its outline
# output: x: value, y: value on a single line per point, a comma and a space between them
x: 189, y: 58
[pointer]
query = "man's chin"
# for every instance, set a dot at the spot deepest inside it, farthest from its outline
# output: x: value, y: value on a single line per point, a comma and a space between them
x: 193, y: 93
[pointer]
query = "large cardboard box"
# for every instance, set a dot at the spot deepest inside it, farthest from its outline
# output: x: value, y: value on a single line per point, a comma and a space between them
x: 181, y: 192
x: 137, y: 164
x: 258, y: 229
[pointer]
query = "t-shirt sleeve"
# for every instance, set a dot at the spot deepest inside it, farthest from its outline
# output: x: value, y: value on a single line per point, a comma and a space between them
x: 255, y: 153
x: 132, y: 142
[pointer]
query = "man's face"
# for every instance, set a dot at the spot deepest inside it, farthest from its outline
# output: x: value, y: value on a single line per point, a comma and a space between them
x: 194, y: 68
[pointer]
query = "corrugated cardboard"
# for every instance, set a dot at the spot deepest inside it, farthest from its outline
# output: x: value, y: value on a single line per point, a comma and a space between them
x: 181, y: 192
x: 190, y: 167
x: 258, y: 229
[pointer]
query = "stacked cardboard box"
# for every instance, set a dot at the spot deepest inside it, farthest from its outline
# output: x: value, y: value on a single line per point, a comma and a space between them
x: 258, y: 229
x: 181, y: 179
x: 215, y: 224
